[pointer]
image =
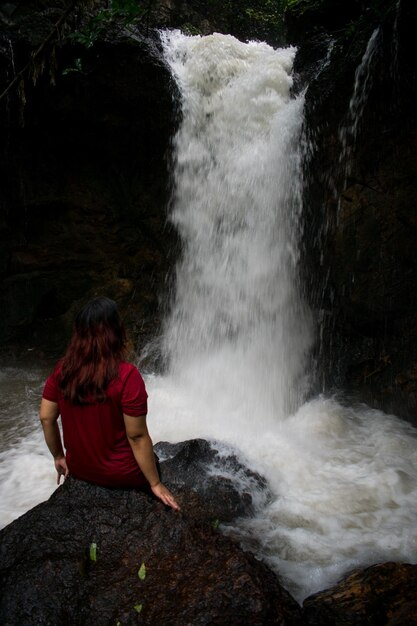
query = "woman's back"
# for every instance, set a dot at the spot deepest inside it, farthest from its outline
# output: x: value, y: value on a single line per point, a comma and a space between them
x: 97, y: 448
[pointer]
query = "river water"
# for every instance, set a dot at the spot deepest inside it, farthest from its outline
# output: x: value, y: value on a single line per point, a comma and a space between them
x: 343, y: 479
x: 26, y: 476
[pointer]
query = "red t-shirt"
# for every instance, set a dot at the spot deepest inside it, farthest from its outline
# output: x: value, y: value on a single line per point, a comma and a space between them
x: 95, y: 440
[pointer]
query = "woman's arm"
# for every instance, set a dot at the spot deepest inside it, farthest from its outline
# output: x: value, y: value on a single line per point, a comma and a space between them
x: 141, y: 443
x: 49, y: 414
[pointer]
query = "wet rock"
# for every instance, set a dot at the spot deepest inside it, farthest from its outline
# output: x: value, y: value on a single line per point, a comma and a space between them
x: 210, y: 479
x: 381, y: 594
x: 360, y: 225
x: 51, y: 573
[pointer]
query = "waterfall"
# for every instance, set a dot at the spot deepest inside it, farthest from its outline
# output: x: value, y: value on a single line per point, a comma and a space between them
x: 362, y: 86
x: 238, y: 326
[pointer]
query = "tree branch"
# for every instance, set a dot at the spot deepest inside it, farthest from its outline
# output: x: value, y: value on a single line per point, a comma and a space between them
x: 40, y: 48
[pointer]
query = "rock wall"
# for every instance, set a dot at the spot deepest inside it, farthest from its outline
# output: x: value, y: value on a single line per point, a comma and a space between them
x: 85, y: 190
x: 359, y: 230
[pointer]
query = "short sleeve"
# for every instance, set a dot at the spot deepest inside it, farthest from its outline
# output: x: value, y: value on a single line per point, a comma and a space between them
x: 51, y: 389
x: 134, y: 396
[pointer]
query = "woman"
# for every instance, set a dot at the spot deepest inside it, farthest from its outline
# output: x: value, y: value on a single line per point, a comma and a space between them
x: 102, y: 401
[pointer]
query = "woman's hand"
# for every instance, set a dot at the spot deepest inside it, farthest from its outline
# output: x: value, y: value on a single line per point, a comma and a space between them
x: 161, y: 492
x: 61, y: 468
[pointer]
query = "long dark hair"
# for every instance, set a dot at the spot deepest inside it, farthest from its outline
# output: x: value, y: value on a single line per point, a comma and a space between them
x: 94, y: 352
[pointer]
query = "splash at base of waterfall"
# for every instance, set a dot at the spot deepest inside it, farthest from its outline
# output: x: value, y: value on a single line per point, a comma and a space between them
x: 344, y: 481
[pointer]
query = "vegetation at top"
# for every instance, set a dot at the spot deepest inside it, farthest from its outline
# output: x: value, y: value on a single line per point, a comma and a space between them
x: 120, y: 12
x: 85, y: 22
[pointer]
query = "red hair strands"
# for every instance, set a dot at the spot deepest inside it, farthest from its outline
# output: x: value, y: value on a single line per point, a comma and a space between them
x: 94, y: 353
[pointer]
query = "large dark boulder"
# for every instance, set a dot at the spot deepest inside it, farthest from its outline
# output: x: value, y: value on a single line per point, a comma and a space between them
x: 97, y: 556
x: 50, y: 573
x: 381, y: 595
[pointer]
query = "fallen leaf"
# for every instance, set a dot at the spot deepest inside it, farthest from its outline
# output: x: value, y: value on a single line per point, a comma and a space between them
x: 142, y: 572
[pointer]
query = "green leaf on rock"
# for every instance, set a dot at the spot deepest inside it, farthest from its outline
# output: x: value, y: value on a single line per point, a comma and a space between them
x: 138, y: 608
x: 215, y: 523
x: 142, y: 572
x: 93, y: 552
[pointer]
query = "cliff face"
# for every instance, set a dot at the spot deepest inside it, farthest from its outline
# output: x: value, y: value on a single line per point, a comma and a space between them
x: 360, y: 220
x: 85, y: 186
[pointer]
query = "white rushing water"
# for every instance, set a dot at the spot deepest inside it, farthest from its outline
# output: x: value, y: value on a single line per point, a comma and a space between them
x: 237, y: 202
x: 26, y: 476
x: 344, y: 480
x: 348, y: 132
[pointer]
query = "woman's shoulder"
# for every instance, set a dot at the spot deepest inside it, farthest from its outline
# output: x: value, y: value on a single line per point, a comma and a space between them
x: 130, y: 377
x: 127, y: 369
x: 51, y: 389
